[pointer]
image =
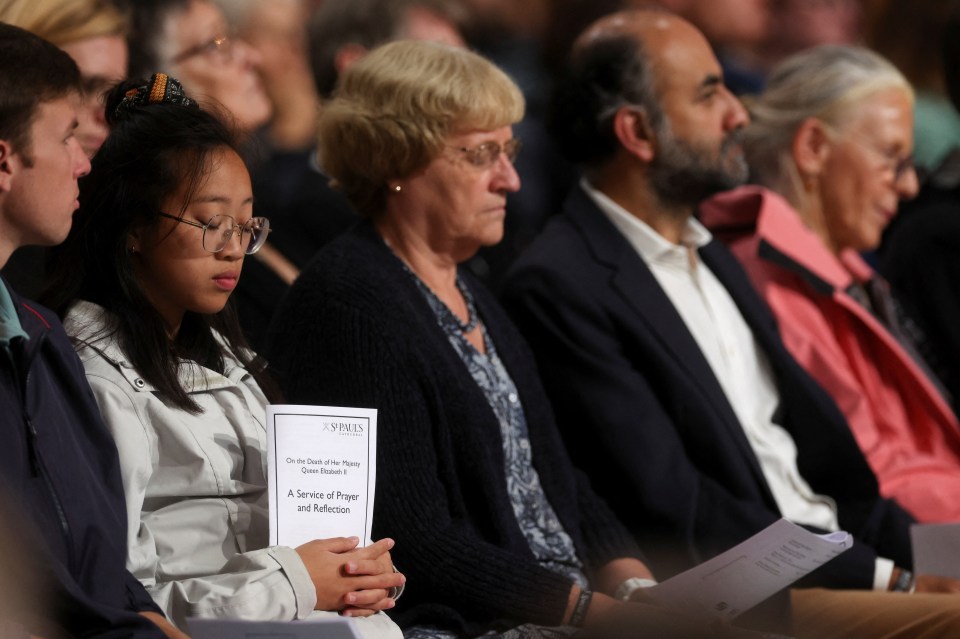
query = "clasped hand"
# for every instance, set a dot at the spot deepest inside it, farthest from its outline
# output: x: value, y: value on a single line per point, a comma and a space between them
x: 355, y: 581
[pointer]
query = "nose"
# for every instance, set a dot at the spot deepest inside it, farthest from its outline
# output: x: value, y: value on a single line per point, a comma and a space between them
x: 246, y: 55
x: 506, y: 179
x: 736, y: 116
x: 81, y: 163
x: 99, y: 113
x: 233, y: 250
x: 908, y: 184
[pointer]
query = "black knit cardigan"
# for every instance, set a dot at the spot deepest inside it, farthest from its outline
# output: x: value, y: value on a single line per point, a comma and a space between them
x: 355, y: 331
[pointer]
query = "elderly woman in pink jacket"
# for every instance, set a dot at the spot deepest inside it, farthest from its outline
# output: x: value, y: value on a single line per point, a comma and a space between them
x: 830, y: 142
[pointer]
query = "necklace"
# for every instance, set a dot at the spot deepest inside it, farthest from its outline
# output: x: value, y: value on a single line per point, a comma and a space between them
x: 472, y: 318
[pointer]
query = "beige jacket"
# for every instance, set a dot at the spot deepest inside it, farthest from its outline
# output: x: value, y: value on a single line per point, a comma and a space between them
x: 196, y: 489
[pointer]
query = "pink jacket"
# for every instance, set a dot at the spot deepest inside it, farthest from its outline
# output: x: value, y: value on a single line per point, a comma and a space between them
x: 907, y: 430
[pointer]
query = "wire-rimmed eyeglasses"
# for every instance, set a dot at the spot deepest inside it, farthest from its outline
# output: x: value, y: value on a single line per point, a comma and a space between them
x: 220, y: 228
x: 484, y: 155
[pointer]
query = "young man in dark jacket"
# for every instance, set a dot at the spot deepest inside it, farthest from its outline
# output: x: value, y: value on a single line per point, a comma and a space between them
x: 58, y: 464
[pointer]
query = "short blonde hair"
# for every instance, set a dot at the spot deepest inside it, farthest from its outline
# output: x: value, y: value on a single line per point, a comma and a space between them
x: 827, y: 83
x: 395, y: 108
x: 65, y: 21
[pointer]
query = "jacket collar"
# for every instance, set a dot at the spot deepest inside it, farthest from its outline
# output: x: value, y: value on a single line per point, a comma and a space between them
x: 636, y: 285
x: 783, y: 237
x: 88, y: 326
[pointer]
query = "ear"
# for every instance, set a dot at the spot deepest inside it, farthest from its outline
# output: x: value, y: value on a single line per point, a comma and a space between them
x: 632, y: 128
x: 347, y: 55
x: 135, y: 240
x: 811, y: 147
x: 8, y: 166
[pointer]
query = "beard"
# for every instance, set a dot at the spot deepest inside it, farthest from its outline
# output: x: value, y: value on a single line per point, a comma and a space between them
x: 684, y: 173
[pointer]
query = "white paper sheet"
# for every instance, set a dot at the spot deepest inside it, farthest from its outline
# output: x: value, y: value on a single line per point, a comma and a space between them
x: 739, y: 579
x: 321, y: 472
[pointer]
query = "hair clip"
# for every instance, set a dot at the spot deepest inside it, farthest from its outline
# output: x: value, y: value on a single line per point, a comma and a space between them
x: 161, y: 89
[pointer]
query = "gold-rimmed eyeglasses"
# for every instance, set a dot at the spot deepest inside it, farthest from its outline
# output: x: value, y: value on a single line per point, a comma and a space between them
x: 220, y: 228
x: 222, y: 45
x: 484, y: 155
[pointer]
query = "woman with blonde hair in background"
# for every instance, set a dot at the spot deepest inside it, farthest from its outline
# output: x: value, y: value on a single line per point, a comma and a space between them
x: 93, y: 33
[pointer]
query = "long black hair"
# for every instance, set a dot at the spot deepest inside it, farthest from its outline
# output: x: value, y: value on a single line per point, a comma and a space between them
x: 153, y: 150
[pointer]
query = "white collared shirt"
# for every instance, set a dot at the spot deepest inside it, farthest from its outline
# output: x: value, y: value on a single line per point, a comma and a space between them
x: 739, y: 364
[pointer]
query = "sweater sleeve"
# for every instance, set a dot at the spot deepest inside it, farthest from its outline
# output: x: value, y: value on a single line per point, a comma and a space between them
x: 267, y: 583
x: 344, y: 355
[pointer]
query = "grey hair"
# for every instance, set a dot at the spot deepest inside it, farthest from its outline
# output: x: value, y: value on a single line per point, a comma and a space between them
x: 827, y: 83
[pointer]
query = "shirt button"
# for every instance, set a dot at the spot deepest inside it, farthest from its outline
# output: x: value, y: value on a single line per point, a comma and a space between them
x: 512, y: 397
x: 139, y: 383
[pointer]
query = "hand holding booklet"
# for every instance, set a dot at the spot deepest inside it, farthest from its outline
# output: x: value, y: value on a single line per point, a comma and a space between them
x: 321, y: 472
x: 738, y: 579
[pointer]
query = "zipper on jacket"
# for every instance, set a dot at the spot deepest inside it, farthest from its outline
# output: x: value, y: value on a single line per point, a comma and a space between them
x: 37, y: 465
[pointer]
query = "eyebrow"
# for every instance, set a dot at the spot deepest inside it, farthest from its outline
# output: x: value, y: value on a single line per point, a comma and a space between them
x: 218, y: 199
x: 710, y: 82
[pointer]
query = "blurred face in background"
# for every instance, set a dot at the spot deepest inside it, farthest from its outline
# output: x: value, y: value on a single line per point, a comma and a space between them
x: 103, y: 62
x: 423, y: 24
x: 726, y: 23
x: 213, y: 66
x: 801, y: 24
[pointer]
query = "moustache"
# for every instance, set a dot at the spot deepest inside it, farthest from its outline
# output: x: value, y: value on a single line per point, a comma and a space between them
x: 732, y: 140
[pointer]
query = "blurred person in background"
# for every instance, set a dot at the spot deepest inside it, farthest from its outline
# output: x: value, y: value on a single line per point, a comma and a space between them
x: 734, y: 28
x: 801, y: 24
x: 277, y: 31
x: 191, y: 40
